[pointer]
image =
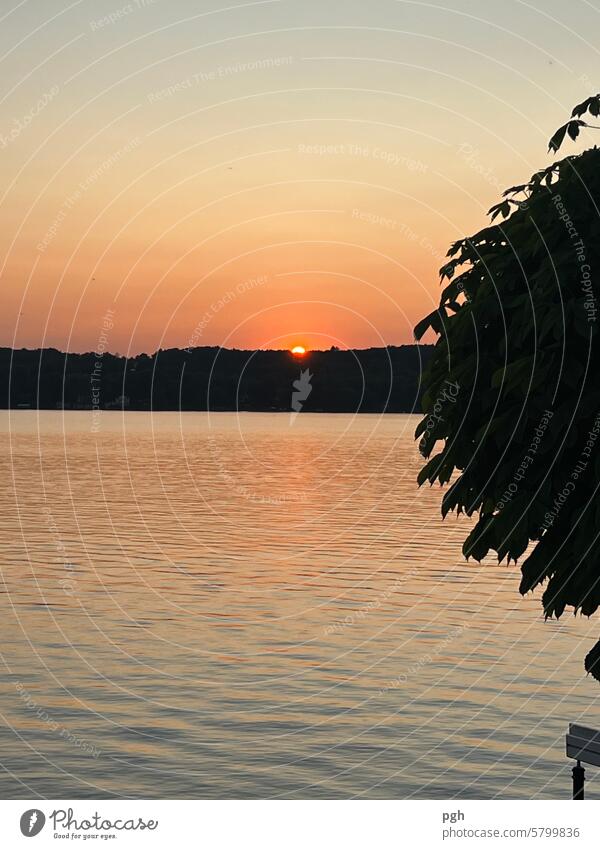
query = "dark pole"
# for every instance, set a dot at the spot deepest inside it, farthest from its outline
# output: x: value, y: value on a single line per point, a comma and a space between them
x: 578, y: 781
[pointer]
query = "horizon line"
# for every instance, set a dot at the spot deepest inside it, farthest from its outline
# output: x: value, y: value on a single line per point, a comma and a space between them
x: 190, y: 350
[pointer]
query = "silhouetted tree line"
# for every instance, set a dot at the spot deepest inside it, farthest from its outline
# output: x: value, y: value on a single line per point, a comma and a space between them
x: 209, y: 378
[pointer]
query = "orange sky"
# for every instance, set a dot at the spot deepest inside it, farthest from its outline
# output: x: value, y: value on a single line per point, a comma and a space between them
x: 276, y: 174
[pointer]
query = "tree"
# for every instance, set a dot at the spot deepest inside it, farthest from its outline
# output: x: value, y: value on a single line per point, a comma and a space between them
x: 513, y: 390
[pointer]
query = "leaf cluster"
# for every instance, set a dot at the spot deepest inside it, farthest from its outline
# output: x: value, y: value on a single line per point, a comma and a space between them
x: 518, y: 334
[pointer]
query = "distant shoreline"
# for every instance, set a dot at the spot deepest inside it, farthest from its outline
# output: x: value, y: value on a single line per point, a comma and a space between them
x: 211, y: 412
x: 212, y: 379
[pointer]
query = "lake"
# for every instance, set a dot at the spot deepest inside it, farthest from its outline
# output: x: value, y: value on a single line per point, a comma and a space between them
x: 253, y: 606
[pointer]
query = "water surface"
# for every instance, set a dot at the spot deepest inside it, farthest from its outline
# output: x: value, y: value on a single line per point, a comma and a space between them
x: 234, y: 605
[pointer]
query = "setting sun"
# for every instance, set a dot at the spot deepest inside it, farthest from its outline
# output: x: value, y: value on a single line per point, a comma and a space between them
x: 298, y: 350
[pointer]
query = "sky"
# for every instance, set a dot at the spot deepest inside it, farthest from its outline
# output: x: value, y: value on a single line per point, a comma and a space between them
x: 263, y: 174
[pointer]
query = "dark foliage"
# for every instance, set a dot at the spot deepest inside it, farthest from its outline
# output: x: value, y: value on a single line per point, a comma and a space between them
x: 371, y: 380
x: 518, y: 327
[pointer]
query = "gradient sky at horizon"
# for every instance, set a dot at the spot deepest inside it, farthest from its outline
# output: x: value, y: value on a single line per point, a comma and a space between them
x: 263, y: 174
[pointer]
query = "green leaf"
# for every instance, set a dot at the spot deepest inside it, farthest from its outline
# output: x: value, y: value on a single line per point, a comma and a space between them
x: 502, y: 208
x: 430, y: 470
x: 571, y: 127
x: 592, y: 661
x: 435, y: 321
x: 591, y: 105
x: 515, y: 190
x: 558, y: 138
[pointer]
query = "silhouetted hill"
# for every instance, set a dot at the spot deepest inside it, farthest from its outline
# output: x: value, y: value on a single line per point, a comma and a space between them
x: 367, y: 380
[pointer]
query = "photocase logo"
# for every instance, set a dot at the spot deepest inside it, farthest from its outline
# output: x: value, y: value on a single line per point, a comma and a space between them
x: 302, y: 389
x: 32, y: 822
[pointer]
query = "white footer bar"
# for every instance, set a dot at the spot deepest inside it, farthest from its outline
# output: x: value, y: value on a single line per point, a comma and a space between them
x: 299, y: 824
